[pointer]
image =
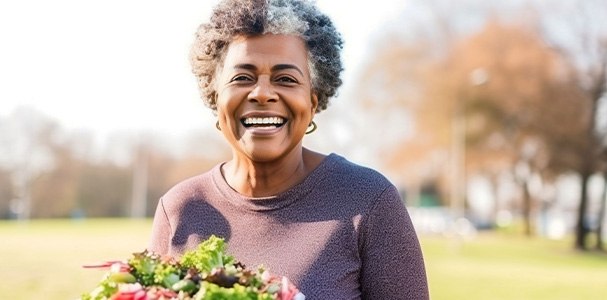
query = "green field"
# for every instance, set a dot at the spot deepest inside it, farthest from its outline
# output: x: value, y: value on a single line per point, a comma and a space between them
x: 42, y: 259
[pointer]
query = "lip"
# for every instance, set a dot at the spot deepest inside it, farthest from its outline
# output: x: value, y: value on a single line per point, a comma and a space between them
x: 263, y: 131
x: 261, y: 114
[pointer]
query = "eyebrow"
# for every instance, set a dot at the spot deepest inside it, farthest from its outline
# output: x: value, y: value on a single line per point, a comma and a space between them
x: 278, y: 67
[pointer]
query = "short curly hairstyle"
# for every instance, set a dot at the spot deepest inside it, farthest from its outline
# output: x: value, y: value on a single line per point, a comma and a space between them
x: 233, y: 18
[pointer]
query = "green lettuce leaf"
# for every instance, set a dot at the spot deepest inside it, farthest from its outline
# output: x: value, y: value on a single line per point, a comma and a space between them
x: 208, y: 255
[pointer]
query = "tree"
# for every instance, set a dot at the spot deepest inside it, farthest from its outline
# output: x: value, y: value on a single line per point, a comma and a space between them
x: 504, y: 86
x: 26, y: 138
x: 513, y: 91
x: 405, y: 80
x: 104, y: 190
x: 53, y: 194
x: 6, y: 194
x: 586, y: 47
x: 601, y: 216
x: 392, y: 95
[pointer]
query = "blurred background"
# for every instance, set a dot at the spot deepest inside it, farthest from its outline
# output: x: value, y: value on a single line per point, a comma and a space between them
x: 490, y: 116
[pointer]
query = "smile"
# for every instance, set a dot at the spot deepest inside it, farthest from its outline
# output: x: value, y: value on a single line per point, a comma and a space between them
x: 263, y: 122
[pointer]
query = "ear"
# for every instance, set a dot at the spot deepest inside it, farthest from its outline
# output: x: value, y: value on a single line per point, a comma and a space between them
x: 314, y: 103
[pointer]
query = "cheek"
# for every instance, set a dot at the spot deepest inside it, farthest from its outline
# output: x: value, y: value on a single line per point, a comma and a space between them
x: 307, y: 107
x: 225, y: 117
x: 227, y: 104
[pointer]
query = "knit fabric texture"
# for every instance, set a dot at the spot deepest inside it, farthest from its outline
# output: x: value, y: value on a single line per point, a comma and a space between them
x: 342, y: 233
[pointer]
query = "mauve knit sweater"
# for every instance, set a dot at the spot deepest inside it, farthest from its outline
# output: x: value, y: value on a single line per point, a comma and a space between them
x: 342, y: 233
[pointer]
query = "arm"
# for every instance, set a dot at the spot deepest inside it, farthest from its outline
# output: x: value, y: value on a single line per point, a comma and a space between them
x: 392, y: 261
x: 161, y: 231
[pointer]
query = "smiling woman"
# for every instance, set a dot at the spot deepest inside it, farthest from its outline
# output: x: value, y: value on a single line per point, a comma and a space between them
x: 336, y: 229
x: 266, y: 78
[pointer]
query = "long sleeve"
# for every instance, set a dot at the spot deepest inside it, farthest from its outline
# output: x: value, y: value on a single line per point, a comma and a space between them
x: 392, y: 262
x: 161, y: 231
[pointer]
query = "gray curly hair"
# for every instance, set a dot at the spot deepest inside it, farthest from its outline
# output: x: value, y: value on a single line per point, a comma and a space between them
x: 232, y: 18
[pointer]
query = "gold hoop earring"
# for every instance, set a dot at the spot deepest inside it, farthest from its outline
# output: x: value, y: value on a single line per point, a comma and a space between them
x: 311, y: 128
x: 217, y: 126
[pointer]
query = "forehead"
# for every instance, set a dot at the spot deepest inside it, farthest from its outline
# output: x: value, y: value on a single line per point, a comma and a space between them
x: 267, y: 49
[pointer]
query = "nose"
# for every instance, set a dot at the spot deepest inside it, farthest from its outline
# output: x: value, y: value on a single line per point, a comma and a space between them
x: 263, y: 91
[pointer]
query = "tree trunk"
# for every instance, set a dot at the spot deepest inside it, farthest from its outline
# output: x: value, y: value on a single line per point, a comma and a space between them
x: 527, y: 209
x: 496, y: 201
x: 581, y: 229
x: 140, y: 183
x: 601, y: 218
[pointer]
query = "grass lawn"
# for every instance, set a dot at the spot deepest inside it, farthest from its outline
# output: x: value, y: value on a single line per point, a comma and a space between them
x: 500, y: 266
x: 42, y: 260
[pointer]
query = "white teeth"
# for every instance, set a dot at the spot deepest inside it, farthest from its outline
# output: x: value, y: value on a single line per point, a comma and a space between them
x: 265, y: 120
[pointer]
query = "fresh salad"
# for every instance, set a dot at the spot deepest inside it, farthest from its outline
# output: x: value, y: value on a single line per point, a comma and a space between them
x: 204, y: 273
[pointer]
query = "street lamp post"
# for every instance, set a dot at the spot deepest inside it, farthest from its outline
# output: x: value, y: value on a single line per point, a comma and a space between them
x: 459, y: 184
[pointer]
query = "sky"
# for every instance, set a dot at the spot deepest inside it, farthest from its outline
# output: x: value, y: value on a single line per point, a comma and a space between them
x: 114, y: 65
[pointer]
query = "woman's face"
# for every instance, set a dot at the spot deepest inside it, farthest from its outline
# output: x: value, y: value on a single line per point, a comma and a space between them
x: 264, y: 96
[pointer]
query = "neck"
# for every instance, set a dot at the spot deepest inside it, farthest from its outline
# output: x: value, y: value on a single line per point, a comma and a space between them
x: 262, y: 179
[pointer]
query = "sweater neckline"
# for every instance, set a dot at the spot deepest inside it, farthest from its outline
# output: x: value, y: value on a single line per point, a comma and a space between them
x: 277, y: 201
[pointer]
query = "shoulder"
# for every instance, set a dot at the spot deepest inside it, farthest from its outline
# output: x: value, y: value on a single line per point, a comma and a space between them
x: 355, y: 174
x: 190, y: 188
x: 354, y: 183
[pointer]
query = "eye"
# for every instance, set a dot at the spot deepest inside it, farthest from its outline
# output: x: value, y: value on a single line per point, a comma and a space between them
x: 286, y: 79
x: 241, y: 78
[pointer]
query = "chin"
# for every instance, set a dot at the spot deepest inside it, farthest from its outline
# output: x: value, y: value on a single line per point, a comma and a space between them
x: 263, y: 155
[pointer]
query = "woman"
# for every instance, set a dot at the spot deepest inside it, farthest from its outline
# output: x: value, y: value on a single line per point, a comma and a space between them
x: 336, y: 229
